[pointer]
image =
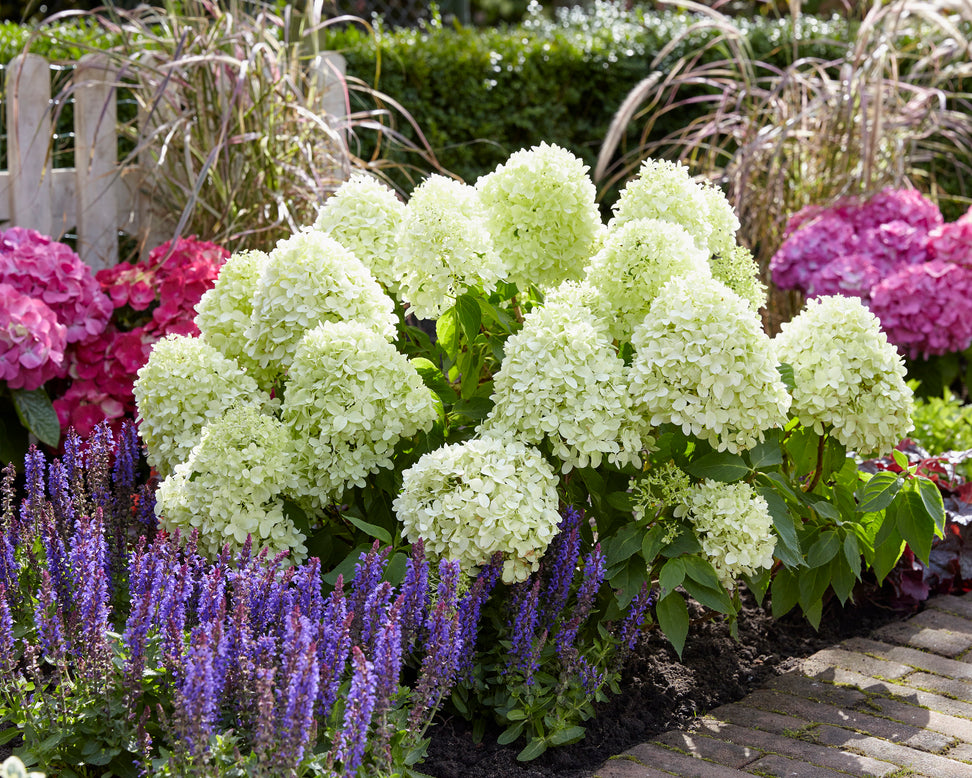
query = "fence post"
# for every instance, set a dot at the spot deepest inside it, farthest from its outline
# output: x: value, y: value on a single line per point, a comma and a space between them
x: 28, y: 88
x: 96, y: 155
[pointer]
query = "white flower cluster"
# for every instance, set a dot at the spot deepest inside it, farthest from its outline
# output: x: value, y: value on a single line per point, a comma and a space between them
x: 542, y: 213
x: 703, y: 362
x: 722, y: 219
x: 635, y: 262
x: 185, y: 384
x: 363, y: 215
x: 231, y: 485
x: 223, y: 313
x: 444, y: 247
x: 351, y: 396
x: 660, y: 488
x: 734, y: 527
x: 469, y: 500
x: 737, y: 269
x: 847, y: 375
x: 307, y: 279
x: 562, y: 381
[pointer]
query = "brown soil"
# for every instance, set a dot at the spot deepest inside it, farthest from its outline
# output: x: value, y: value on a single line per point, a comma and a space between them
x: 661, y: 692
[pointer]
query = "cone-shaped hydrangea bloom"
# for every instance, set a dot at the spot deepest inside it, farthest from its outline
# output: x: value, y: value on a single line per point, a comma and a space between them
x: 738, y: 270
x: 636, y: 261
x: 223, y: 312
x: 351, y: 396
x: 444, y: 247
x: 469, y: 500
x: 703, y: 362
x: 847, y: 375
x: 722, y: 219
x: 734, y: 527
x: 561, y: 380
x: 185, y: 384
x: 542, y: 213
x: 308, y: 279
x: 230, y: 486
x: 665, y: 190
x: 363, y: 216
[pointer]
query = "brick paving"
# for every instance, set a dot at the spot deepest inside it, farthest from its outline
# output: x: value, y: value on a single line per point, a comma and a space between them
x: 898, y: 703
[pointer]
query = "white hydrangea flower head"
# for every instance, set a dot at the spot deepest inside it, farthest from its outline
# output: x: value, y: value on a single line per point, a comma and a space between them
x: 310, y: 278
x: 734, y: 528
x: 184, y: 385
x: 722, y: 219
x: 363, y: 215
x: 351, y: 396
x: 469, y: 500
x: 665, y: 190
x: 847, y: 375
x: 231, y: 486
x: 444, y: 247
x: 223, y: 313
x: 562, y: 381
x: 738, y: 270
x: 542, y: 213
x: 703, y: 362
x: 637, y: 259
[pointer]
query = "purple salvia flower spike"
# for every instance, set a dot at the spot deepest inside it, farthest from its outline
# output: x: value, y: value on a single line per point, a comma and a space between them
x: 307, y: 580
x: 145, y: 506
x: 334, y: 644
x: 8, y: 660
x: 127, y: 453
x: 32, y: 507
x: 560, y: 565
x: 375, y: 612
x: 212, y: 595
x: 48, y: 619
x: 415, y: 589
x: 196, y: 701
x: 264, y: 741
x: 523, y: 633
x: 367, y: 575
x: 246, y: 553
x: 297, y: 691
x: 9, y: 569
x: 471, y: 607
x: 72, y: 458
x: 97, y: 466
x: 634, y: 621
x: 353, y: 736
x: 88, y: 557
x: 59, y: 488
x: 55, y: 556
x: 387, y: 658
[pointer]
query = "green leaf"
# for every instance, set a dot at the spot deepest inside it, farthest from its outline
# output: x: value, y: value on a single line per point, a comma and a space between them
x: 434, y: 378
x: 564, y: 736
x: 813, y: 582
x: 470, y: 315
x: 652, y: 542
x: 447, y: 332
x: 37, y: 414
x: 785, y: 592
x: 769, y: 453
x: 673, y: 619
x: 801, y: 446
x: 8, y: 734
x: 672, y: 574
x: 826, y: 510
x: 852, y: 553
x: 719, y: 466
x: 788, y: 549
x: 842, y: 578
x: 346, y: 567
x: 532, y: 750
x: 510, y: 734
x: 621, y: 501
x: 825, y: 549
x: 371, y: 530
x: 623, y: 544
x: 878, y: 492
x: 702, y: 571
x: 715, y: 598
x: 931, y: 496
x: 517, y: 714
x: 915, y: 524
x: 758, y: 584
x: 900, y: 459
x: 684, y: 542
x: 787, y: 376
x: 887, y: 554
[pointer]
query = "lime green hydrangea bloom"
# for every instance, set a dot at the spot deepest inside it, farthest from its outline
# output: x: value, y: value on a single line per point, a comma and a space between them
x: 310, y: 278
x: 562, y: 381
x: 444, y: 248
x: 637, y: 259
x: 351, y: 397
x: 847, y: 375
x: 185, y: 384
x: 722, y: 219
x: 703, y: 362
x: 469, y: 500
x: 658, y: 489
x: 542, y: 213
x: 737, y: 269
x: 363, y: 215
x: 231, y: 486
x: 223, y: 313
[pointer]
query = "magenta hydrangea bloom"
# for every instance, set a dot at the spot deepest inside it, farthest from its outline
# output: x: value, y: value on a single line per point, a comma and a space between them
x: 819, y: 240
x: 924, y: 309
x: 907, y: 205
x: 32, y: 340
x: 892, y: 244
x: 850, y: 275
x: 952, y: 242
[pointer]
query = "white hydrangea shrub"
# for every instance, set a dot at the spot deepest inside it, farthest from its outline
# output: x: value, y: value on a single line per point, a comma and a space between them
x: 307, y: 279
x: 351, y: 397
x: 185, y: 384
x: 469, y: 500
x: 734, y: 528
x: 363, y: 215
x: 541, y: 210
x: 562, y: 381
x: 703, y: 362
x: 637, y: 259
x: 847, y: 375
x: 232, y: 484
x: 444, y: 247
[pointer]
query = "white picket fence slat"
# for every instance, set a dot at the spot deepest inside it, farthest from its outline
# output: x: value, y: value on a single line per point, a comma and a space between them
x: 96, y: 197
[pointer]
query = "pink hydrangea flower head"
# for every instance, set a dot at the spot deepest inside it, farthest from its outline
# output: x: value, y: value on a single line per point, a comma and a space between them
x: 925, y: 309
x: 818, y: 241
x: 952, y: 242
x: 894, y: 243
x: 850, y: 275
x: 32, y: 340
x: 907, y: 205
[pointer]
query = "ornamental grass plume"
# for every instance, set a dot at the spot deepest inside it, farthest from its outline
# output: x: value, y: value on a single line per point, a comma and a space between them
x: 444, y: 247
x: 467, y: 501
x: 308, y: 279
x: 363, y: 216
x: 734, y: 527
x: 185, y: 384
x: 561, y: 382
x: 541, y: 211
x: 847, y: 375
x: 703, y: 363
x: 637, y: 258
x: 351, y: 397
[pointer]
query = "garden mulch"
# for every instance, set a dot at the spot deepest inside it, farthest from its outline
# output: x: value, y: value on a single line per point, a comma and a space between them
x: 897, y: 702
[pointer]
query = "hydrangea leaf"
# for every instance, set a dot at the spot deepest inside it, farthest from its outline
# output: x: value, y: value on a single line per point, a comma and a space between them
x: 673, y: 619
x: 879, y: 491
x: 914, y: 522
x: 719, y: 466
x: 37, y: 414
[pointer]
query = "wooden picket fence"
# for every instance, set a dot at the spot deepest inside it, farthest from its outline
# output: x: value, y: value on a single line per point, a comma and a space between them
x: 96, y: 198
